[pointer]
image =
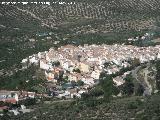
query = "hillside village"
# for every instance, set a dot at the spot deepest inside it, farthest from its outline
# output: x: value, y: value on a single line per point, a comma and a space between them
x: 85, y: 63
x: 59, y: 54
x: 72, y: 70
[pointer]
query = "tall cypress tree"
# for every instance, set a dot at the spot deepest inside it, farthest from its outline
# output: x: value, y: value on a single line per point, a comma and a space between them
x: 158, y: 74
x: 107, y: 85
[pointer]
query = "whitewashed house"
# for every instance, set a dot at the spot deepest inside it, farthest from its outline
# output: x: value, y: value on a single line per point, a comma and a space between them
x: 9, y: 96
x: 24, y: 63
x: 33, y: 59
x: 118, y: 81
x: 88, y: 80
x: 158, y: 56
x: 45, y: 65
x: 95, y: 74
x: 142, y: 59
x: 65, y: 64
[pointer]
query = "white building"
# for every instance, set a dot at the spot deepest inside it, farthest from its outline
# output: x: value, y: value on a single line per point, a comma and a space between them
x: 95, y: 74
x: 158, y: 56
x: 33, y: 60
x: 45, y: 65
x: 118, y: 81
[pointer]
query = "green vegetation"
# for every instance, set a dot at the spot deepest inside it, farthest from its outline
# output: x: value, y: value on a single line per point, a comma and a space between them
x: 80, y: 83
x: 138, y: 108
x: 158, y: 74
x: 107, y: 84
x: 23, y: 80
x: 88, y: 22
x: 128, y: 87
x: 74, y: 27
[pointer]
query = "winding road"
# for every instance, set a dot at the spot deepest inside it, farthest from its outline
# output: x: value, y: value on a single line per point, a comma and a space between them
x: 144, y: 83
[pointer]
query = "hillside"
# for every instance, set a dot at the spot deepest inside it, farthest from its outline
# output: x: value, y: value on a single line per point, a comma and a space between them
x: 137, y: 108
x: 80, y: 22
x: 31, y: 28
x: 103, y: 16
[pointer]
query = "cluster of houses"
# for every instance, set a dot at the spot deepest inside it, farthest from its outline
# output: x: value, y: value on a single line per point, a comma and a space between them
x: 15, y: 96
x: 146, y: 36
x: 81, y: 63
x: 85, y: 63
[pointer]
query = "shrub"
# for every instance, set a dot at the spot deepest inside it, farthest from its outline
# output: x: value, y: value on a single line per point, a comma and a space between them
x: 132, y: 105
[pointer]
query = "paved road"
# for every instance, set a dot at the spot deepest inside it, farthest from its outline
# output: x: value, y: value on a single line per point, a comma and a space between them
x: 58, y: 101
